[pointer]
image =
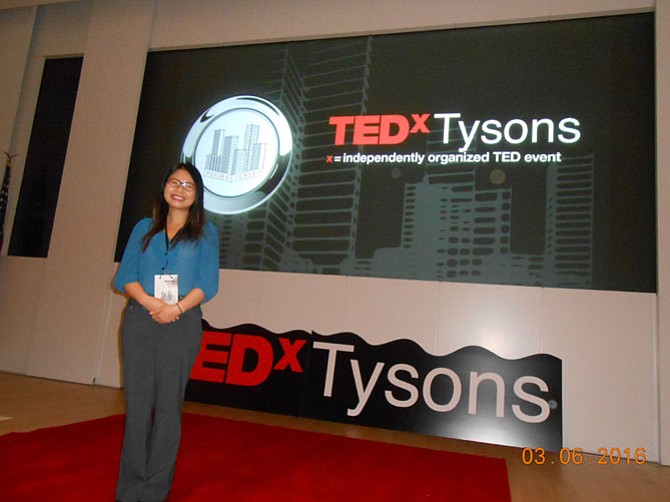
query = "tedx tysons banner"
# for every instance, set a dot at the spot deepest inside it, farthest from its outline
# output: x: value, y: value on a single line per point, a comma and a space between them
x: 470, y: 394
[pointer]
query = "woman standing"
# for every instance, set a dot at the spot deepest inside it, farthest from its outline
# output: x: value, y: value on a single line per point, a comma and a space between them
x: 169, y: 267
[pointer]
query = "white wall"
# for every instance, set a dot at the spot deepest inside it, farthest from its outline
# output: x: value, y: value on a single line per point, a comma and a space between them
x: 16, y: 28
x: 663, y: 211
x: 59, y: 318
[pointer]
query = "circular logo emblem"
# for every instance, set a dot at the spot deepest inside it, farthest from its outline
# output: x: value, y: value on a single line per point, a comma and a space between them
x: 242, y: 147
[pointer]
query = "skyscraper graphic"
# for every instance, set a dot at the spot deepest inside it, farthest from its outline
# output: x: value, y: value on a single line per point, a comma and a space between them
x: 255, y: 156
x: 453, y: 227
x: 451, y: 231
x: 228, y: 149
x: 250, y: 143
x: 323, y: 234
x: 213, y: 160
x: 569, y: 236
x: 455, y: 230
x: 256, y: 239
x: 226, y: 161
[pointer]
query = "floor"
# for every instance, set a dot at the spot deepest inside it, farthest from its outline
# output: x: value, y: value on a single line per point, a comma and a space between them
x: 28, y: 403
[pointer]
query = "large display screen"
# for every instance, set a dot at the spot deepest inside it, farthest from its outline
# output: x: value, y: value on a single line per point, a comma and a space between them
x: 520, y: 154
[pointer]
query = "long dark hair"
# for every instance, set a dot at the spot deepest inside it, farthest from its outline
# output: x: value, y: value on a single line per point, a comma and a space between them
x: 195, y: 222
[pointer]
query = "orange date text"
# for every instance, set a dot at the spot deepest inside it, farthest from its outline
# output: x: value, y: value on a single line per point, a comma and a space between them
x: 576, y: 456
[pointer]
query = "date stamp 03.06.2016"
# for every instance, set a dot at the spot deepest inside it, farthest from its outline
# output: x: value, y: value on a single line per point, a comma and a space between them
x: 577, y: 456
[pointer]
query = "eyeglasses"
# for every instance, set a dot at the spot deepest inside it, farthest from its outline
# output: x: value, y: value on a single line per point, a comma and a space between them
x: 186, y: 185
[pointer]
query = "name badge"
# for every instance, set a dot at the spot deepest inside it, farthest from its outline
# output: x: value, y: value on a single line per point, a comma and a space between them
x: 166, y: 287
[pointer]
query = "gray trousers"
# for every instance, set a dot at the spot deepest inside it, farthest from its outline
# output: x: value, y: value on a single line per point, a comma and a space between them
x: 157, y: 361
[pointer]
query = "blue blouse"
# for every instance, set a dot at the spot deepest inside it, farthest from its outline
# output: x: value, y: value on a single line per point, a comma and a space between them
x: 195, y: 263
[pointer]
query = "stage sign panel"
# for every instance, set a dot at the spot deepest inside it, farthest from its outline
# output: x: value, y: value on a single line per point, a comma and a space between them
x: 470, y: 394
x: 519, y: 154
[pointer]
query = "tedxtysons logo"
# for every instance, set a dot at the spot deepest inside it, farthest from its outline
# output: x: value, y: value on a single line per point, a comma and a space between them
x: 470, y: 394
x: 242, y: 147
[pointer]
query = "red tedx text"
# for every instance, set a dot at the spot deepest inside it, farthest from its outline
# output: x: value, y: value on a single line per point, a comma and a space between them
x: 231, y: 350
x: 377, y: 129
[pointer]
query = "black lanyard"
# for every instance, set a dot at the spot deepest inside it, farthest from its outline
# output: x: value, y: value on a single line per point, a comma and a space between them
x: 168, y: 246
x: 167, y: 250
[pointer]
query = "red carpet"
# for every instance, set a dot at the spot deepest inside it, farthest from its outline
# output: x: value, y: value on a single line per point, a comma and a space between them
x: 225, y: 460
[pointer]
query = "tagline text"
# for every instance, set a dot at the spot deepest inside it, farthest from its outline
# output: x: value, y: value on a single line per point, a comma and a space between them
x: 446, y: 158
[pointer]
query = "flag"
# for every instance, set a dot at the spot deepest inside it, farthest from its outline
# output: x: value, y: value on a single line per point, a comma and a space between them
x: 4, y: 195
